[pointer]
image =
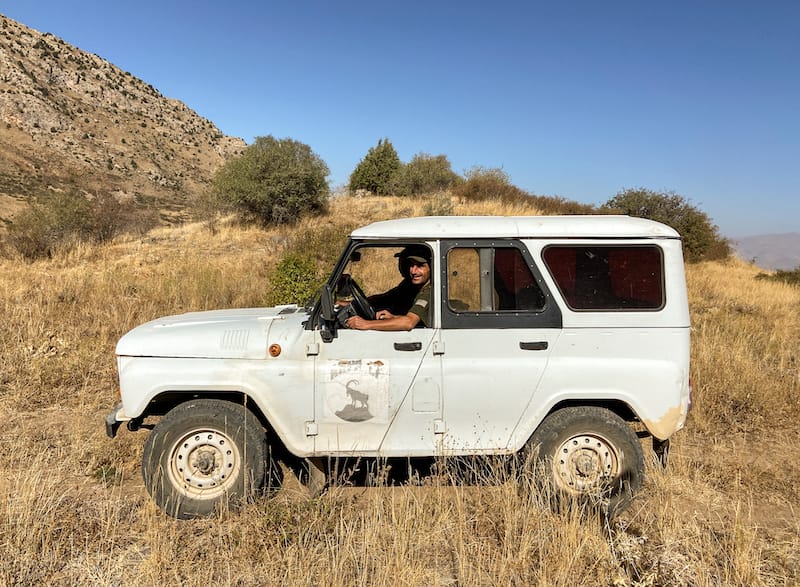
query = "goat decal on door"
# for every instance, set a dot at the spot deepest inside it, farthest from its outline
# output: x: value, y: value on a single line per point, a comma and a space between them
x: 357, y: 390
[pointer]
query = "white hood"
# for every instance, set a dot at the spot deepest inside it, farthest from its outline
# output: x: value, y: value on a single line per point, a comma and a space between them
x: 222, y: 334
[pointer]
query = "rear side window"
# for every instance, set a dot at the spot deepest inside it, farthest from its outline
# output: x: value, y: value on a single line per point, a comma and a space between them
x: 491, y: 280
x: 608, y: 277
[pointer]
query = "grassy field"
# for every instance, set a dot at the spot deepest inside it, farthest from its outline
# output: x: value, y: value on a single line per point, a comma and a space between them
x: 73, y: 510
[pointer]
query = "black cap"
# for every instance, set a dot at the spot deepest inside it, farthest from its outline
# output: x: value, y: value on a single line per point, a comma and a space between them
x: 418, y: 253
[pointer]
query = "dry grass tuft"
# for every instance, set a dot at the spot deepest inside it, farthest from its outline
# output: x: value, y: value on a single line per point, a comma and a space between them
x: 74, y: 512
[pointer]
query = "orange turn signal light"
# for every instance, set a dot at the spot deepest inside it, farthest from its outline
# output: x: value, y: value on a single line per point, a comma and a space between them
x: 274, y: 350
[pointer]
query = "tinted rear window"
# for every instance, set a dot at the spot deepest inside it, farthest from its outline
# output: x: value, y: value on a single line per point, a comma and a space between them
x: 608, y: 277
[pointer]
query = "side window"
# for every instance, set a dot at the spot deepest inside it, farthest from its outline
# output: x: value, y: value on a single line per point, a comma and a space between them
x: 397, y: 278
x: 375, y: 269
x: 491, y: 279
x: 608, y: 277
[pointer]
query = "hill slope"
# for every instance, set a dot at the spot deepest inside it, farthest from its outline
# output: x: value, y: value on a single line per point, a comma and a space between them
x: 72, y: 120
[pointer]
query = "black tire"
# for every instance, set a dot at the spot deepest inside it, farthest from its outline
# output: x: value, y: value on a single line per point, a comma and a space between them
x: 588, y: 455
x: 205, y: 453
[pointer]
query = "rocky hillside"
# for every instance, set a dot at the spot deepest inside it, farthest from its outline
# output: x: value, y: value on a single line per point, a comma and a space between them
x: 72, y: 120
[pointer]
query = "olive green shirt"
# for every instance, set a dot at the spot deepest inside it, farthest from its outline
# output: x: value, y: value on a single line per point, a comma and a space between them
x: 422, y: 306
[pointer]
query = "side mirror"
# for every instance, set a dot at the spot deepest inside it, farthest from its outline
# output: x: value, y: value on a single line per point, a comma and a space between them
x: 326, y: 304
x: 327, y: 315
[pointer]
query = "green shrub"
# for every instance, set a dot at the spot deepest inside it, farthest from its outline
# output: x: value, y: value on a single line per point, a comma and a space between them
x: 489, y: 184
x: 791, y: 277
x: 58, y: 221
x: 273, y: 181
x: 109, y: 217
x: 377, y: 171
x: 308, y: 260
x: 425, y: 174
x: 700, y: 236
x: 294, y: 280
x: 61, y: 220
x: 324, y: 244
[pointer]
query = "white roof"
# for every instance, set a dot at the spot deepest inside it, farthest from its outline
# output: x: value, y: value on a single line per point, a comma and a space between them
x: 594, y: 226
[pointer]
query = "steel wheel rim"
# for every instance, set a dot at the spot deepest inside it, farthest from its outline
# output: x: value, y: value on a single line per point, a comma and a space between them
x: 204, y: 463
x: 585, y: 463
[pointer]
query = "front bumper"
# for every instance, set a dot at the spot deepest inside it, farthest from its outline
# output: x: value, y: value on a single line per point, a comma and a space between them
x: 114, y: 420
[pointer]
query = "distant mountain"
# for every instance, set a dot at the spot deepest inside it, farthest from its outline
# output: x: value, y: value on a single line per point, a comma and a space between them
x: 770, y: 251
x: 72, y: 120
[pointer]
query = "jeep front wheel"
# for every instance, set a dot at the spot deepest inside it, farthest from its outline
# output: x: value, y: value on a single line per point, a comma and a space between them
x: 588, y: 454
x: 204, y: 453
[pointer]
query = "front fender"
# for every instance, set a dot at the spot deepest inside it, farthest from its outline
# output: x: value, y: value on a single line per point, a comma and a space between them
x: 286, y: 407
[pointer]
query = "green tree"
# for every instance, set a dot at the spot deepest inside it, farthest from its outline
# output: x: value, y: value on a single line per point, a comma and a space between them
x: 274, y: 181
x: 425, y: 174
x: 701, y: 238
x: 377, y: 171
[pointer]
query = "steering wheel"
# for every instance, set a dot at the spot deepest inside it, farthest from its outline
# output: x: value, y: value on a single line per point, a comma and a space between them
x: 360, y: 302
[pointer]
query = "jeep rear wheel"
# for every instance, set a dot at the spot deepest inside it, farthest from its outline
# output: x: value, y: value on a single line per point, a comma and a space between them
x: 590, y: 455
x: 205, y: 453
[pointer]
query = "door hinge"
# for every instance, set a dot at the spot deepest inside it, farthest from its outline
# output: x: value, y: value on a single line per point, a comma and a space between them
x: 439, y: 426
x: 312, y: 349
x: 438, y: 347
x: 311, y: 428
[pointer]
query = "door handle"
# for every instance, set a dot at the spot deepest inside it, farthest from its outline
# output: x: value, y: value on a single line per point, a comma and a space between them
x: 540, y: 345
x: 408, y: 346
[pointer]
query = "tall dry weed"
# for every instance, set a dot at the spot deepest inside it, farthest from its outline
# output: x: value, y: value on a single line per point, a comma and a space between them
x: 745, y: 336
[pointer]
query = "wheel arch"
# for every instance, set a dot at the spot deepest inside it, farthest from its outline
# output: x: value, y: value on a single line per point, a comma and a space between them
x: 167, y: 400
x: 617, y: 406
x: 614, y: 405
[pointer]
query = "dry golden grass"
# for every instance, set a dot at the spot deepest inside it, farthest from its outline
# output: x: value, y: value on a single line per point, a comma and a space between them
x: 73, y: 510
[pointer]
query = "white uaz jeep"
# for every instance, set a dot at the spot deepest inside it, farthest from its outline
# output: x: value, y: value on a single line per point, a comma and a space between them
x: 562, y: 338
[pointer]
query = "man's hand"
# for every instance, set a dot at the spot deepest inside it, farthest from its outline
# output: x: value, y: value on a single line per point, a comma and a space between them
x: 385, y: 321
x: 357, y: 323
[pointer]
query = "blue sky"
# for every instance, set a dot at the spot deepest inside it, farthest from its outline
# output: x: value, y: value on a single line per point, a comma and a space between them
x: 578, y: 99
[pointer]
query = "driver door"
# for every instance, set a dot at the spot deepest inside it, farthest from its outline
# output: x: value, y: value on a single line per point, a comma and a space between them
x: 376, y: 392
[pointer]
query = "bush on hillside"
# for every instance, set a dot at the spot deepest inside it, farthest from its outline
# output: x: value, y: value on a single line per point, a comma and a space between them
x: 322, y: 243
x: 425, y: 174
x: 556, y: 205
x: 489, y: 184
x: 294, y: 280
x: 701, y: 238
x: 308, y: 259
x: 494, y: 184
x: 61, y: 220
x: 791, y: 277
x: 274, y: 181
x: 377, y: 171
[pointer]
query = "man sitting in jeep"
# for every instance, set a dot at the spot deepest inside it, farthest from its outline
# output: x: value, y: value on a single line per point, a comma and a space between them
x: 407, y: 305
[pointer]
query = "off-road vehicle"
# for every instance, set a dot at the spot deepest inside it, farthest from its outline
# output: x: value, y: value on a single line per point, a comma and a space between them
x: 564, y: 339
